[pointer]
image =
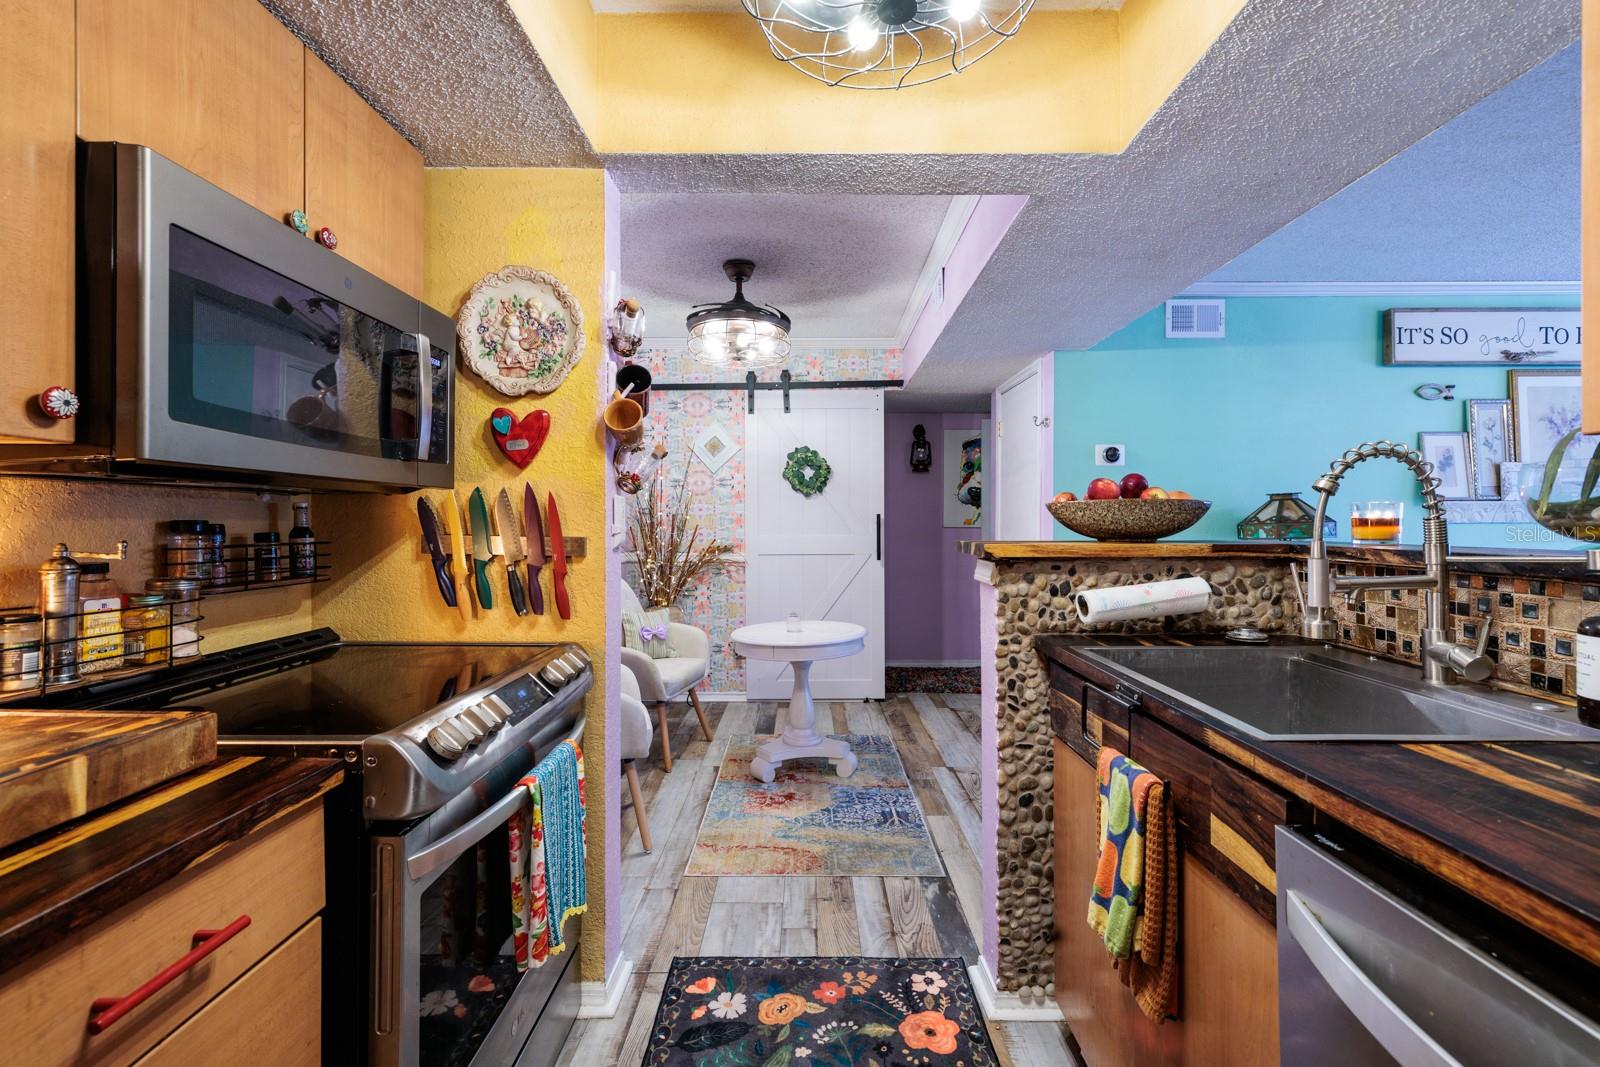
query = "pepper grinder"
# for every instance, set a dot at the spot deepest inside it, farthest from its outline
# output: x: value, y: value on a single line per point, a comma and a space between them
x: 58, y: 603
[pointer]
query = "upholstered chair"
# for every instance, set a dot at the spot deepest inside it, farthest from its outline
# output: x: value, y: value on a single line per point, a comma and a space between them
x: 662, y: 680
x: 636, y: 732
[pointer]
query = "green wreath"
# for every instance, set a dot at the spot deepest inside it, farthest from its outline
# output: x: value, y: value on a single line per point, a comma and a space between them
x: 806, y: 472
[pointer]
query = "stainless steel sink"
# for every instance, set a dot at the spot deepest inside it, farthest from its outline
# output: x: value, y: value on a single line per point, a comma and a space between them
x: 1311, y: 693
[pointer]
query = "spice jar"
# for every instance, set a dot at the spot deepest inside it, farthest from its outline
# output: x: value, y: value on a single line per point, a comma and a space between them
x: 19, y: 651
x: 100, y: 624
x: 217, y: 548
x: 269, y: 556
x: 188, y: 550
x: 146, y: 630
x: 183, y: 600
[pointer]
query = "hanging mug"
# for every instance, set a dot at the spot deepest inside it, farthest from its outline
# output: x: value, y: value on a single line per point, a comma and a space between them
x: 632, y: 374
x: 624, y: 420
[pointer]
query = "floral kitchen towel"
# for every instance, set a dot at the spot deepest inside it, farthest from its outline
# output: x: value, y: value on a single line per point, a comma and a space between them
x: 561, y: 788
x: 530, y: 914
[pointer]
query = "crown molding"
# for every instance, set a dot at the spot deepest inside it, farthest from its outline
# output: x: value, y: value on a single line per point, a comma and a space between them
x: 955, y: 221
x: 1241, y: 289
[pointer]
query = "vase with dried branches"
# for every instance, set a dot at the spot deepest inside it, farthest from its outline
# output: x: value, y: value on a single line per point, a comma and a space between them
x: 668, y: 553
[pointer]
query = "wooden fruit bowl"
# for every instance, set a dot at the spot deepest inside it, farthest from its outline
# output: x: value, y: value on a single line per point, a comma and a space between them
x: 1128, y: 520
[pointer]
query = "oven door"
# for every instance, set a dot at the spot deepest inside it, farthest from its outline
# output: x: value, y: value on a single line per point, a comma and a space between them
x: 242, y: 346
x: 446, y: 990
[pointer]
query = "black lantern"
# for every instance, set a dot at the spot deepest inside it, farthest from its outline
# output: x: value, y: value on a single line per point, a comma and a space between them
x: 921, y: 450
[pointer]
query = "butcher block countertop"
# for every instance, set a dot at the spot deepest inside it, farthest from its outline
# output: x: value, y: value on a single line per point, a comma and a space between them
x: 1516, y: 825
x: 57, y: 883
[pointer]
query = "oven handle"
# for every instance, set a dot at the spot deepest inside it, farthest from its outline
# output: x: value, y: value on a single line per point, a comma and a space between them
x: 443, y: 852
x: 425, y: 387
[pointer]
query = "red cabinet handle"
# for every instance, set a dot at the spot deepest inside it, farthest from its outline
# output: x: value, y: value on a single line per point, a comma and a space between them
x: 106, y: 1010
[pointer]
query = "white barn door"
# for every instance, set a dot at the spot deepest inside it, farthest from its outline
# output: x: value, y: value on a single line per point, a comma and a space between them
x: 819, y: 556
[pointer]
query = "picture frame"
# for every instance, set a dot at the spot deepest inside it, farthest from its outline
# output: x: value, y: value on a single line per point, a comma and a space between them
x: 715, y: 446
x: 963, y: 478
x: 1545, y: 406
x: 1460, y: 337
x: 1489, y: 444
x: 1447, y: 451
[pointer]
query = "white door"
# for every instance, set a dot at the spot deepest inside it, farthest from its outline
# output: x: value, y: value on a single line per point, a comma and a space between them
x: 1017, y: 437
x: 819, y: 556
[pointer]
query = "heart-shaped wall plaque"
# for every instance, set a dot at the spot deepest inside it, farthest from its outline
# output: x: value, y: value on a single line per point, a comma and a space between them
x: 520, y: 439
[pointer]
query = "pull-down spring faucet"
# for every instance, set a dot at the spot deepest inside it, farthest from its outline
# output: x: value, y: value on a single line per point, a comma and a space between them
x: 1440, y: 654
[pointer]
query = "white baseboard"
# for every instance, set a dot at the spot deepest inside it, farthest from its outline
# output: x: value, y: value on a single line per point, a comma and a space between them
x: 736, y: 697
x: 600, y: 1000
x: 1009, y: 1007
x: 935, y: 663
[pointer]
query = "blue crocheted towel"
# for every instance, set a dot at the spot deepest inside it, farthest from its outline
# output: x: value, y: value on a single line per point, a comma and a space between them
x: 561, y: 787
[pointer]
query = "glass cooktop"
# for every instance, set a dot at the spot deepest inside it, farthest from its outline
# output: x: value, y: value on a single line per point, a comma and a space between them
x: 335, y: 691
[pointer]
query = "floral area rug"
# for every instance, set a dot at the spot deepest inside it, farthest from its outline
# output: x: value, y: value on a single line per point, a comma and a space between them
x: 809, y: 821
x: 834, y: 1011
x: 933, y: 680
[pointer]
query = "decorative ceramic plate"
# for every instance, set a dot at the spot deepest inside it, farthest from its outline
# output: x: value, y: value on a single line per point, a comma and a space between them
x: 520, y: 330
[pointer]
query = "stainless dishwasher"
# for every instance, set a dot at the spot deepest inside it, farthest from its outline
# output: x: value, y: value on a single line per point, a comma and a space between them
x: 1367, y: 976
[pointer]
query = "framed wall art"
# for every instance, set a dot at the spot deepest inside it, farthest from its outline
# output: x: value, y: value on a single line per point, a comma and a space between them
x: 1489, y: 444
x: 1448, y: 454
x: 1464, y: 336
x: 520, y: 330
x: 1545, y: 406
x: 963, y: 478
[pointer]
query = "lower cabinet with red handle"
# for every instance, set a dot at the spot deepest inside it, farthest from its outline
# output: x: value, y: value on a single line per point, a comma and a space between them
x: 106, y: 1010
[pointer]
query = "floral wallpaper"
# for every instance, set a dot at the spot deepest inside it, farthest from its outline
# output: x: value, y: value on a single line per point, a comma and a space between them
x: 677, y: 419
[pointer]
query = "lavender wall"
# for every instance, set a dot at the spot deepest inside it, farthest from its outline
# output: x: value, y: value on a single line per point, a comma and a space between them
x: 931, y: 600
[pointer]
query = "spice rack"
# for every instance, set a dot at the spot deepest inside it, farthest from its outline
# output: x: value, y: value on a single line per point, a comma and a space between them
x: 239, y: 572
x: 163, y: 641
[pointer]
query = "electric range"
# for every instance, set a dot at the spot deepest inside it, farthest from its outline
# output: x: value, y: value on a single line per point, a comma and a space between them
x: 418, y: 970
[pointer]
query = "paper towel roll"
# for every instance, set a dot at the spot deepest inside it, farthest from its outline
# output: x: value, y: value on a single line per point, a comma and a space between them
x: 1181, y: 596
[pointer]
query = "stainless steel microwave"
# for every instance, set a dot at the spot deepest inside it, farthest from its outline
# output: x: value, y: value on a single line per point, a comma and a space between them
x: 219, y: 345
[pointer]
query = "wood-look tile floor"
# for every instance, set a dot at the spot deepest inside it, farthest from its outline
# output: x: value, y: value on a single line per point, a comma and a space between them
x: 666, y: 914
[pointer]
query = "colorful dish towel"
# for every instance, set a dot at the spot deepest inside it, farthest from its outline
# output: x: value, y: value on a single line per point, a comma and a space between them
x: 549, y: 847
x: 1133, y: 902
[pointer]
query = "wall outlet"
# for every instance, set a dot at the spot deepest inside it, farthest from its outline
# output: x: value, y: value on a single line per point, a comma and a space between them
x: 1110, y: 455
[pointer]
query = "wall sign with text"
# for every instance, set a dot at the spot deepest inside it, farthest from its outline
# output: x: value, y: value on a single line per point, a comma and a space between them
x: 1510, y: 336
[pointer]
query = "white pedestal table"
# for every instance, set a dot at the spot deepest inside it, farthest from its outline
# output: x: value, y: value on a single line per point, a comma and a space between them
x: 816, y: 639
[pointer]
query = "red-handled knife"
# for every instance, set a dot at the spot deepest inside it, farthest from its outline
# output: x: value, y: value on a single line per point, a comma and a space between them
x: 558, y: 563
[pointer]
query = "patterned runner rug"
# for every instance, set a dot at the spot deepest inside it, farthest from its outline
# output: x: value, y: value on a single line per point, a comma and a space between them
x: 810, y: 821
x: 818, y: 1012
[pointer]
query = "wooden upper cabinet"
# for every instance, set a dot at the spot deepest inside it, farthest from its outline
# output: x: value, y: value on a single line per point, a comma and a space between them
x: 216, y: 86
x: 37, y: 174
x: 363, y: 181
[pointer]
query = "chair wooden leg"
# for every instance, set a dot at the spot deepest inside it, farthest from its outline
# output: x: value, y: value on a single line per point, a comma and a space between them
x: 705, y: 727
x: 639, y: 813
x: 666, y: 739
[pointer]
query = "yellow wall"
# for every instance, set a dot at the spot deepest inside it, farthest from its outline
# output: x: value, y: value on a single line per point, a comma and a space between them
x: 93, y: 516
x: 1161, y: 41
x: 477, y: 222
x: 1069, y: 82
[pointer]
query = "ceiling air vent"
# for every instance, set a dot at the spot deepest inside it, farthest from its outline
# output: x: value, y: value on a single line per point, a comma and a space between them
x: 1197, y: 318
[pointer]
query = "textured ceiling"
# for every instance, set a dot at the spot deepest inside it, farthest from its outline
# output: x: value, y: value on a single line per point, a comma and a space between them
x: 1492, y: 195
x: 839, y: 266
x: 1295, y: 100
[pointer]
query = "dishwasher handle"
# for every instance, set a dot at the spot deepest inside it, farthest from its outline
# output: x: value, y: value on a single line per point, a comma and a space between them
x: 1397, y: 1032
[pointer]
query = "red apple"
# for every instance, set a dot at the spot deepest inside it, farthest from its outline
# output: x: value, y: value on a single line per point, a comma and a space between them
x: 1155, y: 492
x: 1133, y: 485
x: 1063, y: 497
x: 1102, y: 489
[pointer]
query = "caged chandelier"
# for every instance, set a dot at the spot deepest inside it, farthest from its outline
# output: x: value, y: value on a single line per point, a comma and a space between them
x: 886, y: 44
x: 737, y: 333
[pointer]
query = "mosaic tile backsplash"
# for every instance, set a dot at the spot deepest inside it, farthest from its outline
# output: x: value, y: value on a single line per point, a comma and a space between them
x: 1531, y: 624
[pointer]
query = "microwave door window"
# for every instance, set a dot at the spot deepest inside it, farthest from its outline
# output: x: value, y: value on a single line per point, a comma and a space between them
x: 255, y: 354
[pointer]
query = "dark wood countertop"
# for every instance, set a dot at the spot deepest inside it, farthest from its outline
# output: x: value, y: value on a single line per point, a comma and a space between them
x: 1561, y: 562
x: 1516, y: 825
x: 62, y: 881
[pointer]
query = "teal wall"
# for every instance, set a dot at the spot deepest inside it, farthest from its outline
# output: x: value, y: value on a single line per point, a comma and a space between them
x: 1296, y: 382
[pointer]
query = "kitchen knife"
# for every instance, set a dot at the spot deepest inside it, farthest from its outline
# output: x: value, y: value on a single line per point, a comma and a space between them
x: 456, y: 519
x: 436, y: 550
x: 558, y: 565
x: 533, y: 526
x: 482, y: 552
x: 505, y: 521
